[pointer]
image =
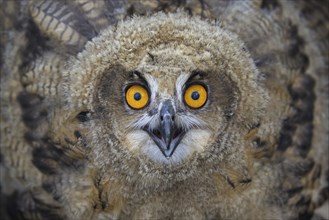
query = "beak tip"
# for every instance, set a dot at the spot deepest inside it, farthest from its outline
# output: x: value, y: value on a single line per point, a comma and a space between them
x: 167, y: 154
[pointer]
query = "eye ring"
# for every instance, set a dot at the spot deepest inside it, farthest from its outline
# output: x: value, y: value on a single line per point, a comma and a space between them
x: 137, y: 97
x: 195, y: 96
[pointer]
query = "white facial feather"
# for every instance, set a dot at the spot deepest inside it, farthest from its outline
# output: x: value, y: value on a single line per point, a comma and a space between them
x: 195, y: 140
x: 188, y: 121
x: 180, y: 82
x: 145, y: 120
x: 153, y: 85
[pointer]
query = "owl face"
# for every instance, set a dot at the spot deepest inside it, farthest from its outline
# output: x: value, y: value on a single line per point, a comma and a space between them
x: 165, y: 95
x: 165, y: 108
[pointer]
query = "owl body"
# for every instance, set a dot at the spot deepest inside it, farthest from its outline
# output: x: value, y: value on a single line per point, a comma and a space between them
x: 155, y: 110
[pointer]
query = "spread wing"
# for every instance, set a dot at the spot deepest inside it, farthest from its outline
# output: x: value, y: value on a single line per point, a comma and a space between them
x: 289, y: 43
x: 41, y: 146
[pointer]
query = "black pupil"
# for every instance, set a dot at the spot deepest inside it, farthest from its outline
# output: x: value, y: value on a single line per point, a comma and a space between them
x: 195, y: 95
x: 137, y: 96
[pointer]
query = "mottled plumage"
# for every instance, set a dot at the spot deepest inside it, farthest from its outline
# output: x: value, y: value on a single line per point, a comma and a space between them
x: 73, y: 146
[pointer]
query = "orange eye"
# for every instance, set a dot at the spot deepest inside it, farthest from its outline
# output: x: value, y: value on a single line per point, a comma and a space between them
x: 137, y: 97
x: 195, y: 96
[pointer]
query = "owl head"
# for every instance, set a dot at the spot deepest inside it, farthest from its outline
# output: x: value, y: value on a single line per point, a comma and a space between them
x: 164, y: 92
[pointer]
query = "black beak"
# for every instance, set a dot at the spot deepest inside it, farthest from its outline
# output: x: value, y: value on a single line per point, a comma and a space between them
x: 167, y: 117
x: 167, y: 136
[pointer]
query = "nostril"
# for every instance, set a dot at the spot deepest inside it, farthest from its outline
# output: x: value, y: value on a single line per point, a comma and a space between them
x: 167, y: 110
x: 167, y: 116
